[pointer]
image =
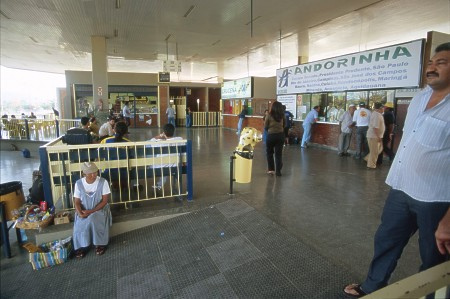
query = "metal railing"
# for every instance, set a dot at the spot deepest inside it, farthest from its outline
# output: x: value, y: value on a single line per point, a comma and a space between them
x: 35, y: 129
x: 434, y: 280
x: 206, y: 119
x: 136, y: 171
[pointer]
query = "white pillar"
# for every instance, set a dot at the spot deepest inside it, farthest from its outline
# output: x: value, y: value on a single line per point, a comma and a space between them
x: 99, y: 72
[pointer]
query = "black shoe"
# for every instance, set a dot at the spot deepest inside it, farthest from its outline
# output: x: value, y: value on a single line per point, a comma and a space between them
x: 278, y: 174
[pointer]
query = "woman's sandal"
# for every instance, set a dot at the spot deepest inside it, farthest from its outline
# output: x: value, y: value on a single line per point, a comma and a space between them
x: 354, y: 290
x: 79, y: 254
x: 271, y: 172
x: 99, y: 250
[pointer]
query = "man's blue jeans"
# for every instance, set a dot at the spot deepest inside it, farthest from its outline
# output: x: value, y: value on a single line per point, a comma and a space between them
x: 306, y: 133
x: 402, y: 217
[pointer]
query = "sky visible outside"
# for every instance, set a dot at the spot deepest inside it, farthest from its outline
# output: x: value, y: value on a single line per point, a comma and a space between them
x: 26, y: 91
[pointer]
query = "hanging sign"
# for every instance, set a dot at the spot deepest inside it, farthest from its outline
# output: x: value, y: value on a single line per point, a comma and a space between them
x: 164, y: 77
x: 389, y: 67
x: 172, y: 66
x: 100, y: 91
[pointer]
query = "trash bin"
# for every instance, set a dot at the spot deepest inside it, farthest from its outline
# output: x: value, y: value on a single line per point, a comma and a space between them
x: 243, y: 167
x: 11, y: 194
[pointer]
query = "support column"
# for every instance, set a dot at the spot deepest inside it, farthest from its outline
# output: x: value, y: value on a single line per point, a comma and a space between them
x: 99, y: 73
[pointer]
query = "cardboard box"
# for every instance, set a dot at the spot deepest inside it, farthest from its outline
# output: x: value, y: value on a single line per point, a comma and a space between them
x: 62, y: 218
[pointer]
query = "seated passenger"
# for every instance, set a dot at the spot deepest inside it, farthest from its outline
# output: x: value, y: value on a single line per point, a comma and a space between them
x: 80, y: 135
x: 166, y: 135
x: 107, y: 129
x: 118, y: 177
x: 94, y: 127
x: 93, y: 216
x: 120, y: 130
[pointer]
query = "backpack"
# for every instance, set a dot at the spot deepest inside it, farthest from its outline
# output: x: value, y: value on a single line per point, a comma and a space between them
x: 36, y: 191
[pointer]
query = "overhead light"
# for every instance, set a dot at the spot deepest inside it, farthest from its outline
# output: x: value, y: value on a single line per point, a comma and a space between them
x: 116, y: 32
x: 215, y: 43
x: 253, y: 20
x: 167, y: 38
x: 33, y: 39
x: 209, y: 78
x: 258, y: 47
x: 188, y: 12
x: 5, y: 15
x: 117, y: 4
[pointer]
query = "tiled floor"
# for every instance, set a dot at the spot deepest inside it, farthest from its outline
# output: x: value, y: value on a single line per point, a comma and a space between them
x: 302, y: 235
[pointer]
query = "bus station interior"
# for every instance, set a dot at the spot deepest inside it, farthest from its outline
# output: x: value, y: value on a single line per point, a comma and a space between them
x: 305, y: 234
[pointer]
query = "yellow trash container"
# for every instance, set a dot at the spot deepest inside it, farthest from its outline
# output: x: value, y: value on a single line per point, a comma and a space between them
x: 11, y: 194
x: 243, y: 167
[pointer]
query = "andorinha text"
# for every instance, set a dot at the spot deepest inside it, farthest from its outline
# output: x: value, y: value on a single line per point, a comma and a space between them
x: 356, y: 60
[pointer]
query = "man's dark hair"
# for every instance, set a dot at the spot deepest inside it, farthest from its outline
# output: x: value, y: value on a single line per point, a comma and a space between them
x: 378, y: 105
x: 84, y: 120
x: 315, y: 107
x: 169, y: 130
x: 120, y: 129
x: 443, y: 47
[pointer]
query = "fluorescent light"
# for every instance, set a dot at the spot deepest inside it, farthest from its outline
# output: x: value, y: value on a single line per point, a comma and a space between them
x: 188, y: 12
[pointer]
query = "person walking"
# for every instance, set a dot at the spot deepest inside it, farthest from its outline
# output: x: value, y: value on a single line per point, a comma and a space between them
x: 375, y: 136
x: 419, y: 199
x: 361, y: 118
x: 346, y: 124
x: 170, y: 112
x: 274, y: 124
x: 311, y: 118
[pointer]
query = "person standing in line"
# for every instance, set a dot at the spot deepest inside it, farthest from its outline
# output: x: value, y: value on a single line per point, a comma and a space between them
x: 420, y: 194
x: 346, y: 124
x: 274, y: 124
x: 126, y: 113
x: 389, y: 123
x: 311, y: 118
x: 375, y: 136
x: 241, y: 120
x: 288, y: 118
x: 361, y: 118
x: 170, y: 112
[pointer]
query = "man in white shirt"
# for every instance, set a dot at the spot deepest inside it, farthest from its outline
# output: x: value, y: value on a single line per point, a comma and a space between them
x: 107, y: 129
x: 346, y: 123
x: 375, y: 136
x: 167, y: 135
x: 361, y: 118
x: 126, y: 113
x: 420, y: 194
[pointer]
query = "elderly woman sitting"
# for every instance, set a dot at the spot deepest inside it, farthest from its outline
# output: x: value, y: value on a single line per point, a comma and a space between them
x: 93, y: 216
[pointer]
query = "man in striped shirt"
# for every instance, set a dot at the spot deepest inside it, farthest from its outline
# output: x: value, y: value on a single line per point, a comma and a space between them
x: 419, y: 177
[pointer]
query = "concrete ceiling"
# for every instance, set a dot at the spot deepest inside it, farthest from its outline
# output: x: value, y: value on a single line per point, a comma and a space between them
x: 213, y: 39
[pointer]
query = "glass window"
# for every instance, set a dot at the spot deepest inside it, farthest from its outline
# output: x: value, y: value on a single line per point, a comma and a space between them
x: 355, y: 98
x: 335, y: 107
x: 381, y: 96
x: 303, y: 105
x: 320, y: 99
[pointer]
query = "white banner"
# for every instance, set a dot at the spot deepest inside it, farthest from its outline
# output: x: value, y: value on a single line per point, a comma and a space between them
x: 390, y: 67
x: 290, y: 102
x: 237, y: 89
